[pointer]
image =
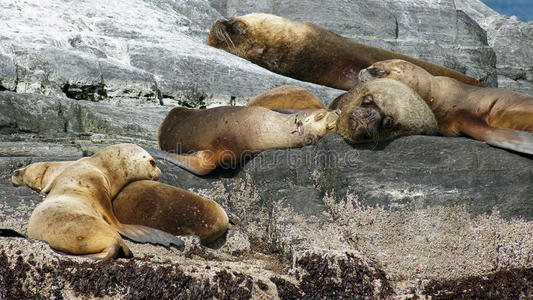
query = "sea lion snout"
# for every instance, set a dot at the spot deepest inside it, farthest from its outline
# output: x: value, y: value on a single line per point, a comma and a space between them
x: 155, y: 174
x: 365, y: 122
x: 17, y: 179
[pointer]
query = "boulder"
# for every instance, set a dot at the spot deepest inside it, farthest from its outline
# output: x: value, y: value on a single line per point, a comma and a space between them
x: 511, y: 40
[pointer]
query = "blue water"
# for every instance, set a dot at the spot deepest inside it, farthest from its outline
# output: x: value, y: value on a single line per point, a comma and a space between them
x: 523, y: 9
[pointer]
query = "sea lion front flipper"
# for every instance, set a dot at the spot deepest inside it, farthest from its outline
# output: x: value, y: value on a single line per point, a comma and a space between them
x: 199, y: 163
x: 516, y: 140
x: 145, y: 234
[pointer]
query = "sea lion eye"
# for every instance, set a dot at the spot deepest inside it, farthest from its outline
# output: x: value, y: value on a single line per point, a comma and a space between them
x: 376, y: 72
x: 368, y: 99
x: 152, y: 162
x: 387, y: 122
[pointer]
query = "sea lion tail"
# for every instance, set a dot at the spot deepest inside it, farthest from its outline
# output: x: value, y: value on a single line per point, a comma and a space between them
x: 145, y: 234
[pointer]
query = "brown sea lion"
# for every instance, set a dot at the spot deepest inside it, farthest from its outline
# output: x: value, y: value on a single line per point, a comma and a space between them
x: 287, y: 97
x: 170, y: 209
x: 501, y: 118
x: 77, y: 217
x: 226, y: 135
x: 306, y: 51
x: 381, y: 110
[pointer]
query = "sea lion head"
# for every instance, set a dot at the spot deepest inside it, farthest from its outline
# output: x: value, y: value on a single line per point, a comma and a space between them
x: 383, y: 109
x: 127, y: 160
x: 410, y: 74
x: 256, y: 37
x: 313, y: 124
x: 38, y: 175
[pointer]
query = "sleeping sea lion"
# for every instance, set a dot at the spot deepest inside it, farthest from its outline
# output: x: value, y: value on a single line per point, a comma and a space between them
x: 171, y: 209
x: 305, y: 51
x: 381, y: 110
x: 201, y: 140
x: 499, y: 117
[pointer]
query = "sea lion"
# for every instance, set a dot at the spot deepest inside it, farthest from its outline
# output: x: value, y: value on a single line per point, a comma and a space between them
x: 380, y: 110
x: 226, y: 135
x: 143, y: 202
x: 499, y: 117
x: 170, y: 209
x: 77, y: 217
x: 305, y: 51
x: 288, y: 97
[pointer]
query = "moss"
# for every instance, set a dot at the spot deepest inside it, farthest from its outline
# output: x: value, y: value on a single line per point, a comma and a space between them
x: 93, y: 93
x: 504, y: 284
x: 21, y: 279
x: 89, y: 123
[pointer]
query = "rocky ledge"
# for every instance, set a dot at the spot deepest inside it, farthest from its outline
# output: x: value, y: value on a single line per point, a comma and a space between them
x: 417, y: 216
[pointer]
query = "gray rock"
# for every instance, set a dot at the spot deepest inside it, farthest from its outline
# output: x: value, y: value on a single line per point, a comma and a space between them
x: 44, y: 114
x: 109, y: 51
x: 511, y: 40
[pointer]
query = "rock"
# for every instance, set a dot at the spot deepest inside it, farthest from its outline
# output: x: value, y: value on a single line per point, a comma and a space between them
x: 108, y: 52
x: 511, y: 41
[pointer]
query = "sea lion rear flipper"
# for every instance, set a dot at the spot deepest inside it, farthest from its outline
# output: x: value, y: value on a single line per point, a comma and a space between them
x: 199, y: 163
x: 516, y: 140
x: 145, y: 234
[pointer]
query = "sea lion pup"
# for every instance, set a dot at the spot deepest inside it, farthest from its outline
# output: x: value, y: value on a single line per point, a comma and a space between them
x: 77, y: 217
x: 499, y: 117
x: 380, y: 110
x: 305, y: 51
x: 170, y: 209
x: 226, y: 135
x: 289, y: 97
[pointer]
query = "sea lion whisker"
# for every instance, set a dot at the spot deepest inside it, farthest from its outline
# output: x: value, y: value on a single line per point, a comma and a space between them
x: 229, y: 41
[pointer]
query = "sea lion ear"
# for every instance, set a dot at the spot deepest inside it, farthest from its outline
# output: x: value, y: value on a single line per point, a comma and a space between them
x: 237, y: 27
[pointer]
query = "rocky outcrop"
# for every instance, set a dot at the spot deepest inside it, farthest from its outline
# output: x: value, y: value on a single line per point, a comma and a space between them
x: 126, y: 52
x: 511, y: 41
x: 419, y: 215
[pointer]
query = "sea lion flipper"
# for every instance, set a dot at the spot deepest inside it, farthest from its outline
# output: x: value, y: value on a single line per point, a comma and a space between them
x: 199, y: 163
x: 145, y: 234
x: 516, y: 140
